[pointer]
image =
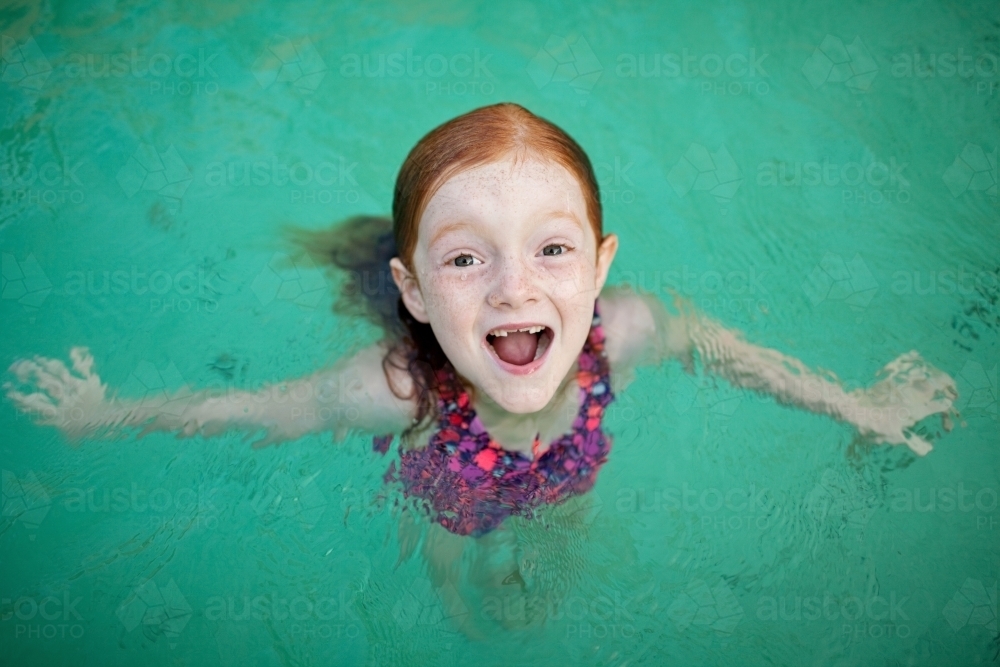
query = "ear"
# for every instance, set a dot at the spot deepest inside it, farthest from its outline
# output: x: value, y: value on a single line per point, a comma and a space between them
x: 605, y: 255
x: 409, y: 290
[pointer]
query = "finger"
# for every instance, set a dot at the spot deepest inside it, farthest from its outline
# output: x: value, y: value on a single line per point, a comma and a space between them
x: 37, y: 404
x: 58, y: 370
x: 210, y: 430
x: 266, y: 441
x: 83, y: 361
x: 946, y: 421
x: 23, y: 370
x: 44, y: 378
x: 940, y: 404
x: 13, y: 368
x: 919, y: 445
x: 19, y: 399
x: 32, y: 398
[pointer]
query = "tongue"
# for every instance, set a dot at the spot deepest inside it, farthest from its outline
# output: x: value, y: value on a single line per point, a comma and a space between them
x: 517, y: 347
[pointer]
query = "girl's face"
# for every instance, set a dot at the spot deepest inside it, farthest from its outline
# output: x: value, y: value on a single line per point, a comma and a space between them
x: 502, y: 247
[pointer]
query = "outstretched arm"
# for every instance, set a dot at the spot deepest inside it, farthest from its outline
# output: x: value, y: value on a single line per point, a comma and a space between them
x: 908, y: 389
x: 351, y: 394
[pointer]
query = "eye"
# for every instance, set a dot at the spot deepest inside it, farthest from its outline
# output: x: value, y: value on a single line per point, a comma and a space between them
x: 554, y: 249
x: 465, y: 260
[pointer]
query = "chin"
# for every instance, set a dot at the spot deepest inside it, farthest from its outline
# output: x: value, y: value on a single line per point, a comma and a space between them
x: 520, y: 400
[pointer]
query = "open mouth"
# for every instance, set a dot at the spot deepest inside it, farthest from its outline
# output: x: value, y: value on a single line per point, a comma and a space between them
x: 520, y: 347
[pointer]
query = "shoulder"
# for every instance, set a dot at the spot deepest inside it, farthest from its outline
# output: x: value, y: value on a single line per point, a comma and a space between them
x: 376, y: 382
x: 629, y: 325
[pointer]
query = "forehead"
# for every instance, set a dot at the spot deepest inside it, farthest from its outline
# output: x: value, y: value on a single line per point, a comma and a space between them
x: 515, y: 186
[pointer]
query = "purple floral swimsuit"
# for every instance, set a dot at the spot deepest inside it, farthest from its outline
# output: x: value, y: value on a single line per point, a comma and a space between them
x: 469, y: 484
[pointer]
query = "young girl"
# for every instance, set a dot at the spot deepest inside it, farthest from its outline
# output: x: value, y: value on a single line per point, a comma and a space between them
x: 503, y: 346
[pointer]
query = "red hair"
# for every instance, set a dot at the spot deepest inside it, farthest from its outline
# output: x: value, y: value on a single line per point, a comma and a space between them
x: 483, y: 136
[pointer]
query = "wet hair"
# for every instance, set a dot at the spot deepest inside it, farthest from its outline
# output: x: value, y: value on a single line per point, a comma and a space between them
x: 362, y: 246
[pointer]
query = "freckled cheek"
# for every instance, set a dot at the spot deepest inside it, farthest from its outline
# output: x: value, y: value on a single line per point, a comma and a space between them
x: 453, y: 299
x: 570, y: 279
x: 454, y: 288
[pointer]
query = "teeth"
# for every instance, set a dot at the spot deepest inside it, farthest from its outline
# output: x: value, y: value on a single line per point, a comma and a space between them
x: 543, y: 343
x: 504, y: 332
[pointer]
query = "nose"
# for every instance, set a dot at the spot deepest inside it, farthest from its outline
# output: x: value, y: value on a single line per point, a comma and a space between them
x: 514, y: 285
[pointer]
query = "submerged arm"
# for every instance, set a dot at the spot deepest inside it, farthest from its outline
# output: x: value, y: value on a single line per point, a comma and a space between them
x: 908, y: 389
x: 351, y: 394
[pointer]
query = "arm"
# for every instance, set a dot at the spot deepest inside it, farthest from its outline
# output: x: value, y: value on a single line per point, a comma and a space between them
x: 353, y: 393
x: 909, y: 389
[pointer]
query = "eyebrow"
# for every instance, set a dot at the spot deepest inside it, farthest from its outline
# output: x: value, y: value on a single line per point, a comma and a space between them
x: 461, y: 225
x: 569, y: 215
x: 447, y: 229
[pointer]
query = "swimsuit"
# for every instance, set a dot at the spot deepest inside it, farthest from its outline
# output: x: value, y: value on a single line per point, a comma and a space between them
x: 469, y: 484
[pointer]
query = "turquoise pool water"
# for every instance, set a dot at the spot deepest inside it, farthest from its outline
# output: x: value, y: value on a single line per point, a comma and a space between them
x: 822, y: 177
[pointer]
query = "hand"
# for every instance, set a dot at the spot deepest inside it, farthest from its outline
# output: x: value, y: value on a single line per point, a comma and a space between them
x: 911, y: 390
x: 67, y: 401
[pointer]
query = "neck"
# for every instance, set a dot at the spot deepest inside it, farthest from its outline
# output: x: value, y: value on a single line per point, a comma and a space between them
x: 516, y: 431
